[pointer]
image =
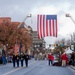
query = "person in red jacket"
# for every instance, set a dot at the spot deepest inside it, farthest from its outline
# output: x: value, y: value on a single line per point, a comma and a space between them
x: 64, y: 59
x: 50, y: 58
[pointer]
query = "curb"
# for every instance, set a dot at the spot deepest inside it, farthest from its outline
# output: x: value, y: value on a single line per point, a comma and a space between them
x: 72, y: 67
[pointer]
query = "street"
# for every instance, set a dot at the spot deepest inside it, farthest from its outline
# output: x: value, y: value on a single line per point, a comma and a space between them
x: 35, y: 68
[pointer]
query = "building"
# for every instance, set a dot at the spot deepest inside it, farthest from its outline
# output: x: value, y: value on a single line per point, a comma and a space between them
x: 37, y: 44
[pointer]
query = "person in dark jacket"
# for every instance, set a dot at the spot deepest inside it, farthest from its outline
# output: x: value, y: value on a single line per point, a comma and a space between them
x: 17, y: 59
x: 14, y: 59
x: 3, y: 59
x: 26, y: 57
x: 21, y: 58
x: 73, y: 59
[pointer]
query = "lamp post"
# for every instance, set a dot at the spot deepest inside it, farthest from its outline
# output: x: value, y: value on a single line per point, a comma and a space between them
x: 71, y: 41
x: 68, y: 15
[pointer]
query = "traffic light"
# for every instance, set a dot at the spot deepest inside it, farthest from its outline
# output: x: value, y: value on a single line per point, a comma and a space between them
x: 54, y: 45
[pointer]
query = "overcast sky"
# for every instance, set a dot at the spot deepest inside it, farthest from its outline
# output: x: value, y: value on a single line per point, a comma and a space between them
x: 19, y: 9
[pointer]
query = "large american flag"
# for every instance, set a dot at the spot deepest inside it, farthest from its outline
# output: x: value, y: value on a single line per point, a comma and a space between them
x: 47, y: 25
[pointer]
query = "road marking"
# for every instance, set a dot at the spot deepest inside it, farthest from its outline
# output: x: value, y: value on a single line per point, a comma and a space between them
x: 15, y: 70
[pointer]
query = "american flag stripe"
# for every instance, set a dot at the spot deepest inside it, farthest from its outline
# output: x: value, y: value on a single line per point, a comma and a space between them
x: 45, y: 26
x: 50, y: 28
x: 42, y: 27
x: 54, y: 27
x: 38, y: 26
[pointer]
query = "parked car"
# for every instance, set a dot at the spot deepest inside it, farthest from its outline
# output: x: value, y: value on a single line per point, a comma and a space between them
x: 56, y: 62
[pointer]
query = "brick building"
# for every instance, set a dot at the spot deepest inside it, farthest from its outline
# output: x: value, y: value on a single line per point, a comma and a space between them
x: 4, y: 20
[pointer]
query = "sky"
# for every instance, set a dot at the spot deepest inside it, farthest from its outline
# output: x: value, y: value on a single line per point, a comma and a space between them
x: 19, y: 9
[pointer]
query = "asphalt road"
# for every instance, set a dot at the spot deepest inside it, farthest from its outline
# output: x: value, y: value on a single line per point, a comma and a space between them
x: 35, y: 68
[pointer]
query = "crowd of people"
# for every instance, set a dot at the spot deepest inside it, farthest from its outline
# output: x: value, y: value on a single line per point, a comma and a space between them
x: 65, y: 59
x: 20, y: 59
x: 16, y: 59
x: 39, y: 56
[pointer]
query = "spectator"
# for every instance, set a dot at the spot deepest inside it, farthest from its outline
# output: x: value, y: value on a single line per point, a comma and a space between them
x: 64, y: 59
x: 3, y: 59
x: 50, y: 58
x: 73, y: 58
x: 26, y: 58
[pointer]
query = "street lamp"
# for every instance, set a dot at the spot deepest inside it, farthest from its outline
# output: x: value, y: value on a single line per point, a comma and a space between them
x: 71, y: 41
x: 68, y: 15
x: 24, y: 20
